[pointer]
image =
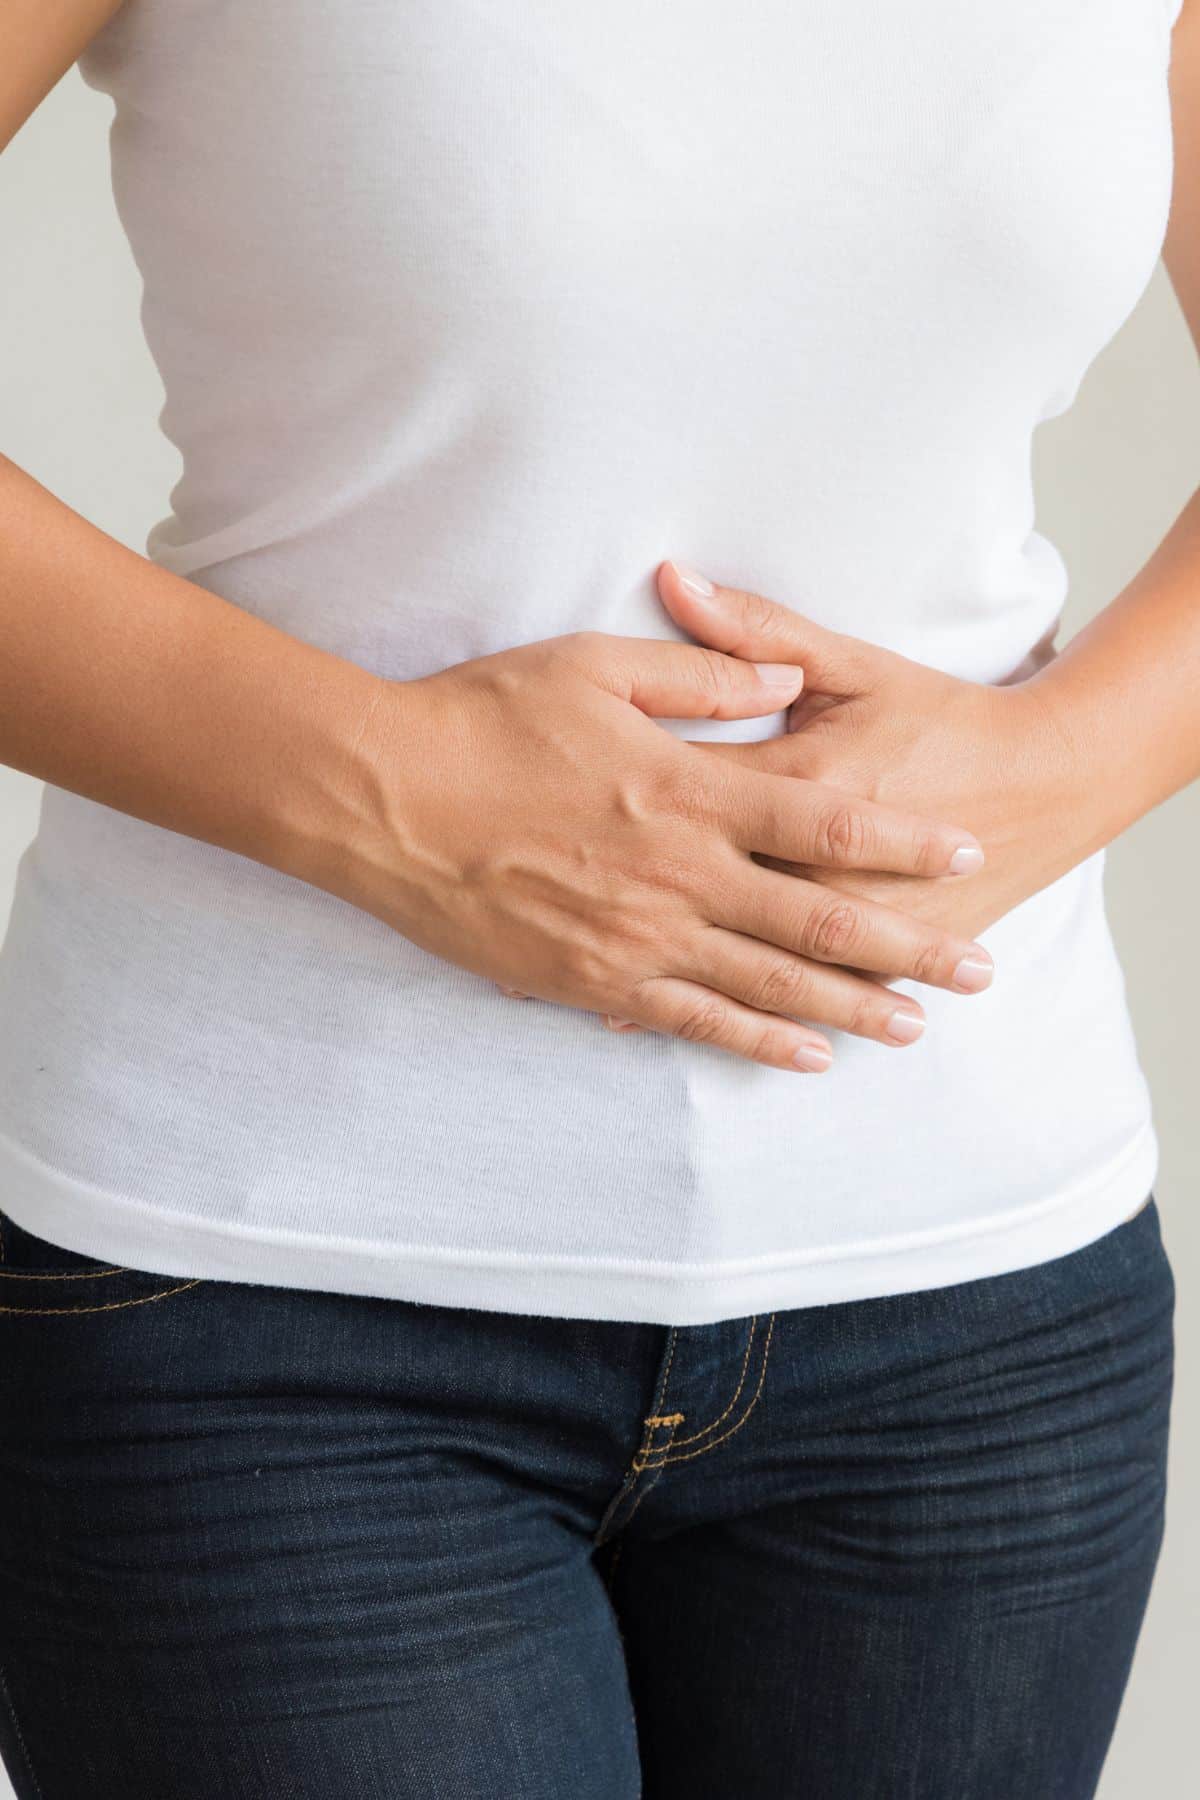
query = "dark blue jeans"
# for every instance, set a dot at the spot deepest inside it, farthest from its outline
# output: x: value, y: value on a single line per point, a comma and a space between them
x: 256, y: 1542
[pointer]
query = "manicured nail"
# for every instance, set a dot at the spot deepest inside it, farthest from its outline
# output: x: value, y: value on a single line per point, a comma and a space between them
x: 813, y: 1057
x: 785, y: 678
x: 615, y: 1024
x: 967, y: 860
x: 974, y: 972
x: 693, y: 581
x: 905, y: 1027
x: 513, y: 993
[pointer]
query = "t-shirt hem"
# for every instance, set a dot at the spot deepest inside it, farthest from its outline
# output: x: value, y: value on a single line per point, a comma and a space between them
x: 96, y: 1222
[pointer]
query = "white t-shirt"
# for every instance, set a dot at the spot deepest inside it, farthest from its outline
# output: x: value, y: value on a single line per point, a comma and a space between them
x: 469, y: 314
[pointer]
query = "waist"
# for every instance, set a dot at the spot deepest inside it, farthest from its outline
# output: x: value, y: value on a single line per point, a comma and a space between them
x: 416, y: 574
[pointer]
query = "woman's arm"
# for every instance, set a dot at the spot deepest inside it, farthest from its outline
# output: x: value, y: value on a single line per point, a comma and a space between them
x: 119, y: 680
x: 520, y: 815
x: 1127, y: 688
x: 1126, y: 691
x: 1045, y: 771
x: 40, y: 43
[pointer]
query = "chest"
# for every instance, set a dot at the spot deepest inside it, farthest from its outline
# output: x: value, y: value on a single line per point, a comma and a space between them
x: 467, y: 166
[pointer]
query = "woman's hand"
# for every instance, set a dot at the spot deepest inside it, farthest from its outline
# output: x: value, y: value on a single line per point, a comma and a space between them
x: 519, y: 815
x: 522, y: 816
x: 902, y: 734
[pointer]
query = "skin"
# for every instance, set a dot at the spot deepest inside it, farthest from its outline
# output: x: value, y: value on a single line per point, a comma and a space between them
x: 559, y: 842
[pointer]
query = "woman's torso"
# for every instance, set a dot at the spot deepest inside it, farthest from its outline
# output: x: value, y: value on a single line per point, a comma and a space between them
x: 467, y: 317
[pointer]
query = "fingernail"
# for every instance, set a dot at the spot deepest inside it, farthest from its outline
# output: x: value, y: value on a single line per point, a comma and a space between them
x: 693, y: 581
x: 615, y: 1024
x: 513, y: 993
x: 967, y: 860
x: 974, y: 972
x: 786, y: 677
x: 813, y: 1057
x: 905, y: 1027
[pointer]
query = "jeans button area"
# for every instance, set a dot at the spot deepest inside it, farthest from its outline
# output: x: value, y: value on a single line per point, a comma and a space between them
x: 711, y: 1380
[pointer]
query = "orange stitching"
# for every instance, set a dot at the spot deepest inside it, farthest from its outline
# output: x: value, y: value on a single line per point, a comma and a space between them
x: 635, y: 1466
x: 650, y: 1484
x: 713, y: 1423
x: 47, y: 1312
x: 79, y: 1275
x: 641, y: 1460
x: 762, y: 1375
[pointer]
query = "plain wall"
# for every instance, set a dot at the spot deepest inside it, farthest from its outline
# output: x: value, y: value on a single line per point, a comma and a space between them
x: 79, y: 401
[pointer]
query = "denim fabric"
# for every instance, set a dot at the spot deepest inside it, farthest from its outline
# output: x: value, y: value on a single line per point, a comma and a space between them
x: 268, y: 1542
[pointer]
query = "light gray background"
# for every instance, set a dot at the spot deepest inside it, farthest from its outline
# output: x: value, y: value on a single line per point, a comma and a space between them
x: 79, y: 400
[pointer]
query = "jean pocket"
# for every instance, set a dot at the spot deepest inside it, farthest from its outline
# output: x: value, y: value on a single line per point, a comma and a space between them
x: 39, y: 1279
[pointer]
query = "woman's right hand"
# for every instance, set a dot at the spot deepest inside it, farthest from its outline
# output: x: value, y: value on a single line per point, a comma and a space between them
x: 522, y: 816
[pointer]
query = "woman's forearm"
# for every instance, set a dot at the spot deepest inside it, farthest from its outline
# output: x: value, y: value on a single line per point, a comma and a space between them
x: 131, y: 686
x: 1125, y: 692
x: 517, y: 814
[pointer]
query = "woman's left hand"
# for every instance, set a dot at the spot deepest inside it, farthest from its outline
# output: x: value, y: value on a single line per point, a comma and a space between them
x: 999, y: 760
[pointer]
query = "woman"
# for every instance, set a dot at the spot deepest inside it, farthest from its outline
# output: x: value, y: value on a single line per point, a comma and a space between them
x: 576, y: 1177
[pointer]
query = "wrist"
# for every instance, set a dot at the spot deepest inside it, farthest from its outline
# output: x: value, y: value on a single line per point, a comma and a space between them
x: 1073, y: 786
x: 339, y: 798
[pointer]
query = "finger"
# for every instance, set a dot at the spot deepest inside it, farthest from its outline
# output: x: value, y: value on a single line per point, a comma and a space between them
x: 687, y: 1009
x: 748, y: 625
x: 834, y: 927
x: 843, y: 831
x: 774, y: 981
x: 683, y: 681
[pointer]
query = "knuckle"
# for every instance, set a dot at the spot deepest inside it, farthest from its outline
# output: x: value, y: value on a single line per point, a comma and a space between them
x: 865, y: 1020
x: 927, y: 961
x: 781, y: 988
x: 701, y: 1020
x: 642, y: 998
x: 585, y: 968
x: 621, y: 946
x: 842, y: 835
x: 764, y: 1046
x: 713, y: 674
x: 761, y: 618
x: 835, y: 930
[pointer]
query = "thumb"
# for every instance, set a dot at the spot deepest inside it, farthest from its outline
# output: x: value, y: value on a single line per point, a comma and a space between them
x: 685, y: 681
x: 747, y: 625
